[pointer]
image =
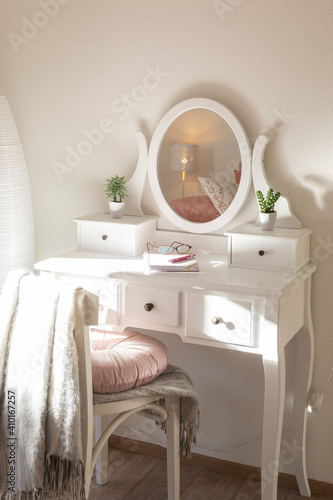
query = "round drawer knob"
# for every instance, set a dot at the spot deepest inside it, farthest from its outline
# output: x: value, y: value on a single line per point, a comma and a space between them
x: 104, y: 237
x: 261, y: 253
x: 149, y: 306
x: 216, y: 320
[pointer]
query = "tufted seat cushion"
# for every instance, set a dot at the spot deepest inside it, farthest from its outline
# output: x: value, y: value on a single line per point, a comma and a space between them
x: 125, y: 360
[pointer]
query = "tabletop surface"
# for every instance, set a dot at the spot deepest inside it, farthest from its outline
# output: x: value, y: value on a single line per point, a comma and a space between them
x: 214, y: 272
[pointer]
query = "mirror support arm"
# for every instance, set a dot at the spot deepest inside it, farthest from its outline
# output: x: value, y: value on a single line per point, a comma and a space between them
x: 285, y: 217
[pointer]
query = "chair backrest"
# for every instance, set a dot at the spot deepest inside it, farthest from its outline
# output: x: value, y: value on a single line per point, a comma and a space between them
x: 86, y: 314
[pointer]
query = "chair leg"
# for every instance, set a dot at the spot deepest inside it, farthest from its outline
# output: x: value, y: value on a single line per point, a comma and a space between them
x: 173, y: 447
x: 87, y: 452
x: 101, y: 422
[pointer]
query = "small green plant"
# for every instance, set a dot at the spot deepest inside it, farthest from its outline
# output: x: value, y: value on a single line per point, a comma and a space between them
x: 115, y: 188
x: 267, y: 204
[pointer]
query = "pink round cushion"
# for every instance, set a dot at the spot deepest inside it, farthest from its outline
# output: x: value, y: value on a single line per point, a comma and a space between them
x: 121, y: 361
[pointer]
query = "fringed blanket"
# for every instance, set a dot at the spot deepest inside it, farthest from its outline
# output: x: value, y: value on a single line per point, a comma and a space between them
x: 172, y: 382
x: 40, y: 419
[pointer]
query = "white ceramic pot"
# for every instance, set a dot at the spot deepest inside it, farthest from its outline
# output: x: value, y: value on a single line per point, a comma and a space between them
x: 116, y: 209
x: 268, y: 221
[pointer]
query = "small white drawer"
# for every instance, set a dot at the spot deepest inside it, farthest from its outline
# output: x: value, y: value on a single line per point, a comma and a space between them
x: 219, y: 318
x: 262, y: 252
x: 151, y: 305
x: 127, y: 236
x: 280, y: 249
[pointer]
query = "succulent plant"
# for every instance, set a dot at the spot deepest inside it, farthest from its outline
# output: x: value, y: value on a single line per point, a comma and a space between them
x: 267, y: 204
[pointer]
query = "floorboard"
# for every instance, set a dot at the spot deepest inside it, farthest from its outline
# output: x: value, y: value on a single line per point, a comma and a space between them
x: 133, y: 476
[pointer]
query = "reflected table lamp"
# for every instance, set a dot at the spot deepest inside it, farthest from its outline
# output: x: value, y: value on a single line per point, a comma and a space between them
x: 183, y: 158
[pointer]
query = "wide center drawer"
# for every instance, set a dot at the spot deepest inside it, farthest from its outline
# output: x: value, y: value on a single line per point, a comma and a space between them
x: 151, y: 305
x: 219, y: 318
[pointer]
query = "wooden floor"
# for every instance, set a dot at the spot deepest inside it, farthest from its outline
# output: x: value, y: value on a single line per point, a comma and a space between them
x: 133, y: 476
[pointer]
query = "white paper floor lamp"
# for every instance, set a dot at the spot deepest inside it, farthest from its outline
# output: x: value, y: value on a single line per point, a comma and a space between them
x: 16, y: 219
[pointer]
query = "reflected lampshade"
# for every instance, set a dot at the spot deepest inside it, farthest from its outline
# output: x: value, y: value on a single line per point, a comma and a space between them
x: 183, y: 157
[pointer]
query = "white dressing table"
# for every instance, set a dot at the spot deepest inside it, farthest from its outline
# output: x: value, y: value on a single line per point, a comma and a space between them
x: 235, y: 302
x: 260, y: 312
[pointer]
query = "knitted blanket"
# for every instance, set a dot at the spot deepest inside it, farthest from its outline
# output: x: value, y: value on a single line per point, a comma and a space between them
x: 40, y: 419
x: 172, y: 382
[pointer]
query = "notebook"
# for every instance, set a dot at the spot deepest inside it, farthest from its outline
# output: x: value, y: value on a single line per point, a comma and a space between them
x: 162, y: 262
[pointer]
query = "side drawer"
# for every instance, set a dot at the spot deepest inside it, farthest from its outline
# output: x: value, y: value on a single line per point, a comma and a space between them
x: 262, y: 252
x: 151, y: 305
x: 126, y: 236
x: 219, y: 318
x: 103, y: 237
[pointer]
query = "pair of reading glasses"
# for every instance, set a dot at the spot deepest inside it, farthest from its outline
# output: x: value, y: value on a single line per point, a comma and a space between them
x: 166, y: 249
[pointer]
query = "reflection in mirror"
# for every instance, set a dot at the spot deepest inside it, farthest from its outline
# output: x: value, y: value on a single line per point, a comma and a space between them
x: 199, y: 165
x: 210, y: 194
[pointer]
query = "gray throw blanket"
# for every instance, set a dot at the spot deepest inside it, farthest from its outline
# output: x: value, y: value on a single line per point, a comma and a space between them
x: 172, y: 382
x: 40, y: 418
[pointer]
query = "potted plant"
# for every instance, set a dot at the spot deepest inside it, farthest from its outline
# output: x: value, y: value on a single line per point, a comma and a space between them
x: 267, y: 213
x: 115, y: 191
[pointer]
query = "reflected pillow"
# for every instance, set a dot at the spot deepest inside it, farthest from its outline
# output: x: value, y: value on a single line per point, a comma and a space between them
x: 238, y: 174
x: 220, y: 191
x: 195, y: 208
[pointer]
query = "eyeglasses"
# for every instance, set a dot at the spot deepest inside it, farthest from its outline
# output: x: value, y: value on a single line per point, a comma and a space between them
x: 166, y: 249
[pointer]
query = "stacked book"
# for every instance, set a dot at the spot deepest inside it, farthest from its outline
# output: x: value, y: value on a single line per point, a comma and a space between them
x: 171, y: 263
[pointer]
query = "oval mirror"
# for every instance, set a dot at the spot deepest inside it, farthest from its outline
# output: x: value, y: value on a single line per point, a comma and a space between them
x: 199, y: 165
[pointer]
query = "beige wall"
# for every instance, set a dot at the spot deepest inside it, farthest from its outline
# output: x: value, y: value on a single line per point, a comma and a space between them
x: 69, y: 67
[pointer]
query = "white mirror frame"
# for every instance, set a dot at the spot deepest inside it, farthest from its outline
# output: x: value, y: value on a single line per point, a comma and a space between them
x: 245, y: 151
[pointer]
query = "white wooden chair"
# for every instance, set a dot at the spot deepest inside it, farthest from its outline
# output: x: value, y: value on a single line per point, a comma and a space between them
x: 96, y: 453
